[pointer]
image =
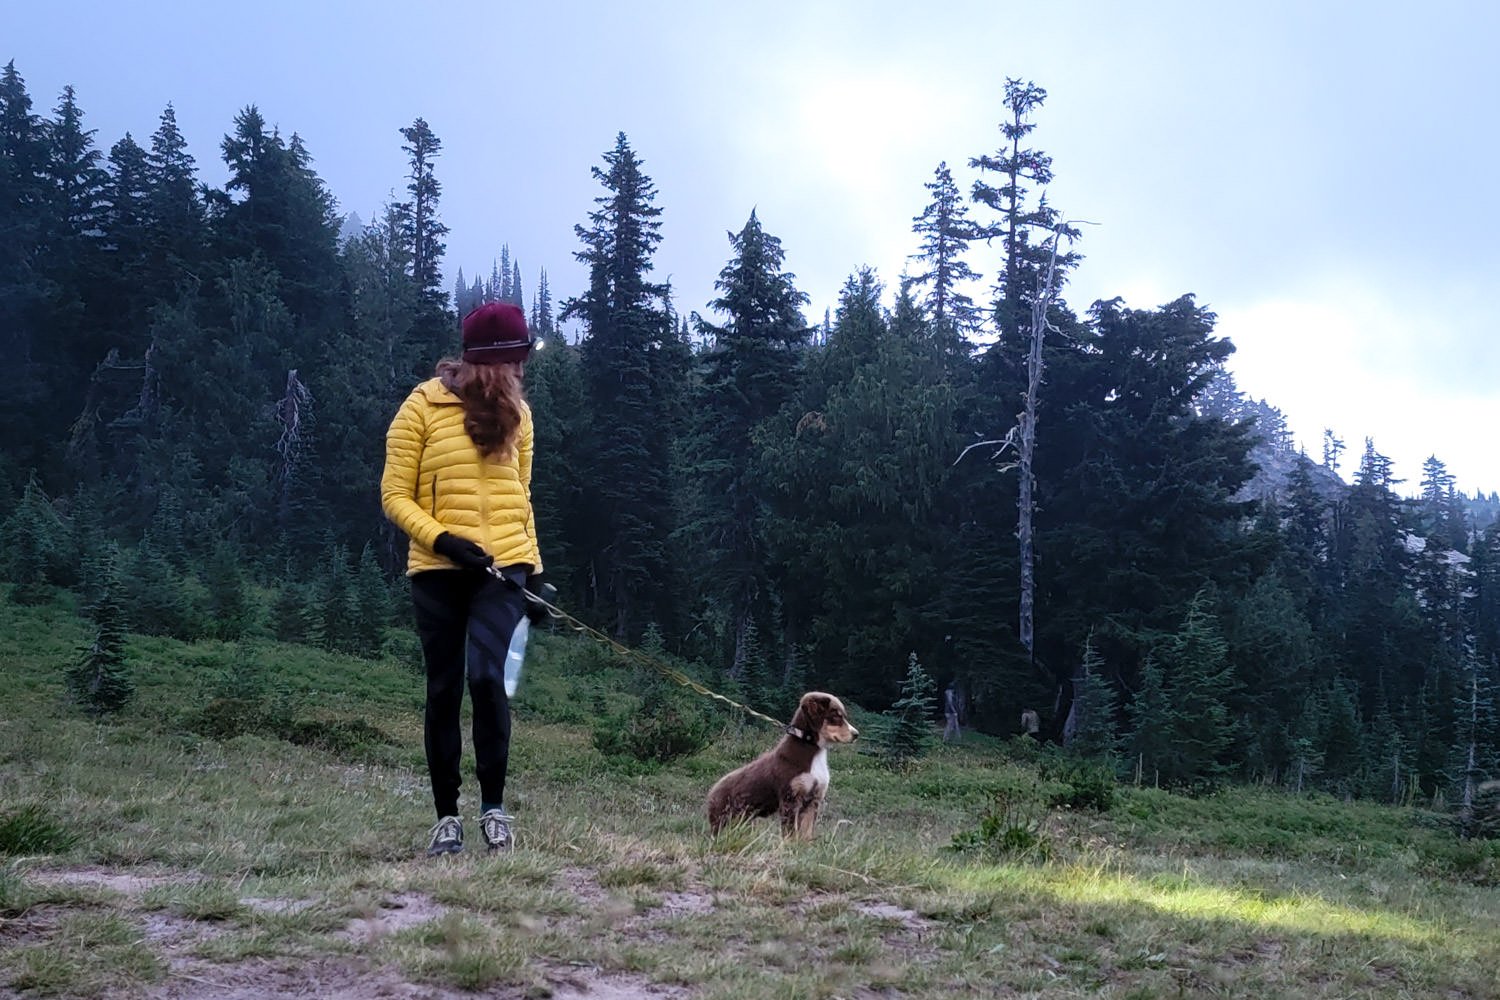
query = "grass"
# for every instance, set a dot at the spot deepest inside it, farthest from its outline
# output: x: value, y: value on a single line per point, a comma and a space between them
x: 141, y: 851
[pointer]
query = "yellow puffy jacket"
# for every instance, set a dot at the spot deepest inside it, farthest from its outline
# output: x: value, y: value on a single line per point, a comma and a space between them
x: 435, y: 480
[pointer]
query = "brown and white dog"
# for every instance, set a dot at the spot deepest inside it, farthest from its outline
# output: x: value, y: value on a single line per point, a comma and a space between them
x: 790, y: 779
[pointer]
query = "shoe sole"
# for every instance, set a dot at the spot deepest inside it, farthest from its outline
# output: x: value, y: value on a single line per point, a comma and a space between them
x: 438, y: 852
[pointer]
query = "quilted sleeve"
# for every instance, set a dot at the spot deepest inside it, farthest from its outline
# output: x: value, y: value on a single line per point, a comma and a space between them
x: 404, y: 442
x: 527, y: 444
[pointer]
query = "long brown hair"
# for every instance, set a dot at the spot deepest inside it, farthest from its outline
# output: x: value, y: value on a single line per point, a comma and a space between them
x: 492, y: 398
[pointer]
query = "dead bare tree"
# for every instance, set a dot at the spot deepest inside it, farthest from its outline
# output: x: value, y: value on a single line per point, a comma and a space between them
x: 293, y: 412
x: 1022, y: 437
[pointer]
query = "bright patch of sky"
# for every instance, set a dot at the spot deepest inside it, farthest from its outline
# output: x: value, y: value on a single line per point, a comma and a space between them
x: 1316, y: 173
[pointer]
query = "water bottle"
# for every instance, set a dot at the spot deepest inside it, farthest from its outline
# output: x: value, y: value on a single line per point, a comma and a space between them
x: 516, y: 655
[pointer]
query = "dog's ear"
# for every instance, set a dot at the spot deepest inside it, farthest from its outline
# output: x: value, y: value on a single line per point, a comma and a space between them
x: 816, y: 705
x: 811, y: 711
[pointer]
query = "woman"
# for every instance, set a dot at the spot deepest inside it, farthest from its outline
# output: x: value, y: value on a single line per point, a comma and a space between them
x: 457, y: 481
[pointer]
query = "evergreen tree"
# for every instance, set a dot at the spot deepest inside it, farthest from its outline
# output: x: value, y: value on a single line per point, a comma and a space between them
x: 857, y: 466
x: 27, y: 414
x: 177, y: 211
x: 1111, y: 556
x: 1151, y: 726
x: 748, y: 376
x: 73, y: 168
x: 128, y: 224
x: 1442, y: 519
x: 1095, y: 706
x: 559, y: 493
x: 461, y: 304
x: 633, y: 368
x: 946, y: 233
x: 370, y: 604
x: 1486, y: 602
x: 1020, y: 170
x: 274, y: 205
x: 35, y: 540
x: 1275, y: 656
x: 100, y: 682
x: 426, y: 233
x: 229, y: 609
x: 1199, y: 681
x: 1305, y: 740
x: 908, y: 724
x: 542, y: 321
x: 1341, y: 748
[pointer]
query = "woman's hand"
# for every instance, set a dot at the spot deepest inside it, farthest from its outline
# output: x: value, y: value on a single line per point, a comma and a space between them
x: 462, y: 551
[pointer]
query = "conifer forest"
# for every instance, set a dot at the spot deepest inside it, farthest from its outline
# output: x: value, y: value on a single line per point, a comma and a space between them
x: 1056, y: 506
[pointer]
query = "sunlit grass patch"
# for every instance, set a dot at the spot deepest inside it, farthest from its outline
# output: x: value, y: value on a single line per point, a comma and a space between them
x: 1191, y: 898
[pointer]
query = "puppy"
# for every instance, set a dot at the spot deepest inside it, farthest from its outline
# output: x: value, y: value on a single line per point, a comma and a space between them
x: 792, y: 778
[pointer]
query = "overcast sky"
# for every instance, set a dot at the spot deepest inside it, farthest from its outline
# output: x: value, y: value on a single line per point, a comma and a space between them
x: 1321, y: 175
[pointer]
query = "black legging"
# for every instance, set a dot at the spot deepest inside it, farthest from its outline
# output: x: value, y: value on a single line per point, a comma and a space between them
x: 458, y: 609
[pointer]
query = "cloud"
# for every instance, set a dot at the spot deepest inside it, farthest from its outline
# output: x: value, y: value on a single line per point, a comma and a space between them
x: 1357, y: 365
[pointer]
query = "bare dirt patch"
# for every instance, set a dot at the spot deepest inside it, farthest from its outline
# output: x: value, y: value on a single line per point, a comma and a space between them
x: 395, y: 913
x: 594, y: 984
x: 275, y: 905
x: 908, y: 919
x: 680, y: 903
x: 169, y: 931
x: 128, y: 882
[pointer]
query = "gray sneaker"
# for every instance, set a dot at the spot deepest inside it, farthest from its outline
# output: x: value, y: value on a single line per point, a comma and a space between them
x: 495, y: 826
x: 446, y: 837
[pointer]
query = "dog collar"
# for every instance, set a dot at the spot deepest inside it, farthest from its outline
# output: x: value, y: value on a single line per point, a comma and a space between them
x: 796, y: 733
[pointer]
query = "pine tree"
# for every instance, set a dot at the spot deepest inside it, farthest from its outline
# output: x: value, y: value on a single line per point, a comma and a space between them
x: 74, y: 171
x: 748, y: 376
x: 1095, y: 706
x: 908, y: 725
x: 946, y: 233
x: 229, y: 606
x: 128, y: 224
x: 35, y: 540
x: 633, y: 368
x: 1020, y: 170
x: 542, y: 321
x: 1341, y: 745
x: 1199, y: 681
x: 461, y: 303
x: 857, y: 468
x: 100, y: 682
x: 426, y: 234
x: 177, y: 212
x: 370, y: 603
x: 24, y: 288
x: 1151, y: 726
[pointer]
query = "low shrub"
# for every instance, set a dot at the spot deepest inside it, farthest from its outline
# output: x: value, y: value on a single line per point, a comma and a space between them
x: 670, y: 723
x: 1010, y: 826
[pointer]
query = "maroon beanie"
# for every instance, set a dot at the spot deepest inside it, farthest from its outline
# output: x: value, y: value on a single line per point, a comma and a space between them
x: 496, y: 332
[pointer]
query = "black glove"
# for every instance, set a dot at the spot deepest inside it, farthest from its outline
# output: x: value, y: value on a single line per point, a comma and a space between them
x: 461, y: 551
x: 537, y: 584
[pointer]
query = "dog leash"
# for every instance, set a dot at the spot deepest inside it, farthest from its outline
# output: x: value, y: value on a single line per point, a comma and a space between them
x: 626, y: 652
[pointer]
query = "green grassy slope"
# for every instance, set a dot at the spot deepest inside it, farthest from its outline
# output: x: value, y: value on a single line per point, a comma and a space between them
x: 253, y: 822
